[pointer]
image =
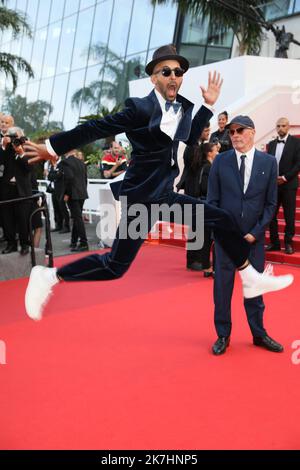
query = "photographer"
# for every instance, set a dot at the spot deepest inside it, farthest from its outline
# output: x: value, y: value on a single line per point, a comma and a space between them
x: 16, y: 183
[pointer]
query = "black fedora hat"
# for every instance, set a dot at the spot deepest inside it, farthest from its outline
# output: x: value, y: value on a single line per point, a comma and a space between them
x: 166, y: 53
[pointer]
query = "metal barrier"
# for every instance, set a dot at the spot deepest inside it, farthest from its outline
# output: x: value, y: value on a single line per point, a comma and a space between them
x: 44, y: 209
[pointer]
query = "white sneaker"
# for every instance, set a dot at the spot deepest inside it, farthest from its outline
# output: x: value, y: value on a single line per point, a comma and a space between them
x: 39, y: 290
x: 255, y: 283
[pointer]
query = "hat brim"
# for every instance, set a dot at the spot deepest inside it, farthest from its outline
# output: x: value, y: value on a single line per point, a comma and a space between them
x: 238, y: 124
x: 184, y: 63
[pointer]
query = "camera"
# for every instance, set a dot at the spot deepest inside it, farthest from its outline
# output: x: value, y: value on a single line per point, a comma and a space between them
x: 16, y: 141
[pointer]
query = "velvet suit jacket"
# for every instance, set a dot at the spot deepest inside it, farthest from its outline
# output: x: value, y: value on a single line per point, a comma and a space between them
x: 254, y: 209
x: 150, y: 175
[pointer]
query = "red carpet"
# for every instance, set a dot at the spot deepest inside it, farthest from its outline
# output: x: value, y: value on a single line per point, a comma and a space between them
x: 127, y: 365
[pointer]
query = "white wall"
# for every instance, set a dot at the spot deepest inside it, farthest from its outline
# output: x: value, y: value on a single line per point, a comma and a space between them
x: 251, y: 84
x: 263, y: 88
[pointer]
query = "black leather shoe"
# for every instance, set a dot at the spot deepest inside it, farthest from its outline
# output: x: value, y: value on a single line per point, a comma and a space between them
x: 194, y: 266
x: 24, y: 250
x: 273, y: 247
x: 289, y: 250
x: 208, y: 274
x: 81, y: 248
x: 65, y: 230
x: 9, y: 249
x: 220, y: 345
x: 267, y: 343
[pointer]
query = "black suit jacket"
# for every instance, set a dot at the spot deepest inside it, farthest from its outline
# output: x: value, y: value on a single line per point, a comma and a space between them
x: 17, y: 167
x: 150, y: 174
x: 75, y: 178
x: 289, y: 165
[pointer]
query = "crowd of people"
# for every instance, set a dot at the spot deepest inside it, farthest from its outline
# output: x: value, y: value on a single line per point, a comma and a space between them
x: 67, y: 183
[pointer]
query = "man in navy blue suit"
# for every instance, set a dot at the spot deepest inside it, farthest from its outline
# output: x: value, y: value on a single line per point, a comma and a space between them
x: 242, y: 181
x: 154, y: 126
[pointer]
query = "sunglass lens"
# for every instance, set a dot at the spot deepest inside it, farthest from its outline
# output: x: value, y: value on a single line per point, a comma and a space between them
x: 166, y: 72
x: 178, y: 72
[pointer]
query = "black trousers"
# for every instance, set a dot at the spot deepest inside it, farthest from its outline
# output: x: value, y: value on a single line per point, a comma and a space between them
x: 124, y: 250
x: 203, y: 255
x: 61, y: 214
x: 78, y: 228
x: 15, y: 216
x: 286, y: 198
x: 223, y: 288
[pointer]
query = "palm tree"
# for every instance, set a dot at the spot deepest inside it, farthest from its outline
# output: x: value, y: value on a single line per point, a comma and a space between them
x: 244, y: 17
x: 115, y: 85
x: 11, y: 64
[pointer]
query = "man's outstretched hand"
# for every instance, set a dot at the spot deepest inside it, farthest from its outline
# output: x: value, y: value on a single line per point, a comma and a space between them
x: 37, y: 153
x: 211, y: 94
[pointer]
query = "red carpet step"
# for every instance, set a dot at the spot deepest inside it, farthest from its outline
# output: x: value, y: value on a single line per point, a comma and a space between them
x: 174, y: 235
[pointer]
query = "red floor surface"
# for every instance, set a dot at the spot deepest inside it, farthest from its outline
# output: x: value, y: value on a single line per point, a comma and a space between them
x: 128, y: 365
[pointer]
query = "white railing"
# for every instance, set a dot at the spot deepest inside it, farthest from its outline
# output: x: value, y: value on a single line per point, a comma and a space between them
x: 100, y: 196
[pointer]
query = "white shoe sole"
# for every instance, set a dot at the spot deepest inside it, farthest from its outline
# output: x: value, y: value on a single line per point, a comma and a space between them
x: 37, y: 293
x: 281, y: 283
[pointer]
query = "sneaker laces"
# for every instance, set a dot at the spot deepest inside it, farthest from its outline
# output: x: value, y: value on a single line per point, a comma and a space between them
x: 269, y: 270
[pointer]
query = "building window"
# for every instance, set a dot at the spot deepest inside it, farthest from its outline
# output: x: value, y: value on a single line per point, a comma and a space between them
x: 281, y: 9
x: 201, y: 42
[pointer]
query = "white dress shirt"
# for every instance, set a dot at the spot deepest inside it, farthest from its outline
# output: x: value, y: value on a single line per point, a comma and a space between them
x: 279, y: 149
x: 248, y: 164
x: 170, y: 120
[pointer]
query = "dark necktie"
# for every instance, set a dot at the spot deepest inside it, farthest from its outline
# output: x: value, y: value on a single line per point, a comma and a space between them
x: 280, y: 141
x: 242, y: 170
x: 175, y: 106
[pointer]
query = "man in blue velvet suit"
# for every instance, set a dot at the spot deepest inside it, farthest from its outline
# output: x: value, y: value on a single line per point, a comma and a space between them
x: 154, y: 126
x: 242, y: 181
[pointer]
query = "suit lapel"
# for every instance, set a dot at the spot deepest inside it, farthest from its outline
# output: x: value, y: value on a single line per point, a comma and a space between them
x: 286, y: 148
x: 155, y: 120
x: 184, y: 127
x: 254, y: 171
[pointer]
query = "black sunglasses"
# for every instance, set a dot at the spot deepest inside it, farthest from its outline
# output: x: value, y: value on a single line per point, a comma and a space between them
x: 239, y: 130
x: 166, y: 71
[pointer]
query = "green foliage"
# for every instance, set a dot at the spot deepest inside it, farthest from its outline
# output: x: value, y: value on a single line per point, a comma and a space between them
x: 10, y: 64
x: 32, y: 117
x: 113, y: 84
x: 102, y: 113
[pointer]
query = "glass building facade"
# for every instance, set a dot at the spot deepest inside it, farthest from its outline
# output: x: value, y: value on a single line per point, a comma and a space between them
x: 282, y: 9
x: 84, y: 52
x: 200, y: 41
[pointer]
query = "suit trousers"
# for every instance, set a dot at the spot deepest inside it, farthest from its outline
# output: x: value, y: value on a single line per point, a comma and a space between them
x: 114, y: 264
x: 78, y: 228
x: 15, y: 216
x: 286, y: 198
x: 223, y: 288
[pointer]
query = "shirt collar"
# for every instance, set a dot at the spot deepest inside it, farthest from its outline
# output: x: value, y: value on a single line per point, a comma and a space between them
x: 284, y: 138
x: 249, y: 154
x: 161, y: 100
